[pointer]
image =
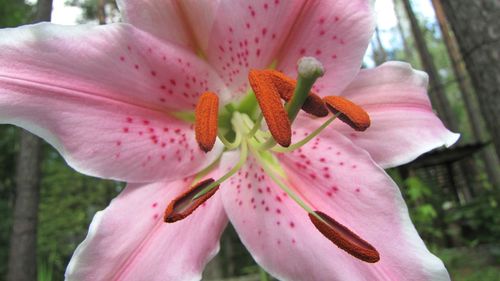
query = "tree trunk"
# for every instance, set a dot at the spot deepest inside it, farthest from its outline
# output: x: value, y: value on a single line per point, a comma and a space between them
x: 43, y: 10
x: 477, y: 29
x: 22, y: 252
x: 488, y: 155
x: 101, y: 11
x: 399, y: 19
x: 379, y: 53
x: 437, y: 92
x: 213, y: 270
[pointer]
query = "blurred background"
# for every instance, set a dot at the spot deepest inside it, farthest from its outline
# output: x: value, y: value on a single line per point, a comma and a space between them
x: 452, y: 194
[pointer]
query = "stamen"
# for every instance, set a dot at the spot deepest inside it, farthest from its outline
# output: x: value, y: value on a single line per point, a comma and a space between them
x: 231, y: 145
x: 206, y: 117
x: 286, y: 86
x: 205, y: 171
x: 255, y: 127
x: 215, y: 184
x: 283, y: 83
x: 351, y: 113
x: 270, y: 172
x: 305, y: 140
x: 314, y: 105
x: 271, y: 107
x: 344, y: 238
x: 253, y: 130
x: 184, y: 205
x: 330, y: 228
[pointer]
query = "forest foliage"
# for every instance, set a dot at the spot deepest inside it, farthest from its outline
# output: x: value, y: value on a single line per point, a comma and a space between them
x: 463, y: 229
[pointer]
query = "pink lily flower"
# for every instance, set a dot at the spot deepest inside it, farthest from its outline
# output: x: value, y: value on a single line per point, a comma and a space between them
x: 117, y: 101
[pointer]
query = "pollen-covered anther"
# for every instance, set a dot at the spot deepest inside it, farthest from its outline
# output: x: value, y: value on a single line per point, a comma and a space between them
x: 184, y: 205
x: 286, y: 86
x: 206, y: 116
x: 344, y: 238
x: 314, y: 105
x: 350, y: 113
x: 271, y: 106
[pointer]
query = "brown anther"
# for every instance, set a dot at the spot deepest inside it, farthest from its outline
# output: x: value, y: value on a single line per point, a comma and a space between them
x: 315, y: 105
x: 271, y: 106
x: 344, y: 238
x: 184, y: 205
x: 286, y: 86
x: 205, y: 125
x: 283, y: 83
x: 350, y: 113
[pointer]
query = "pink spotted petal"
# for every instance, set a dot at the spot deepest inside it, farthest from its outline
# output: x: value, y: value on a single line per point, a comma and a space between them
x: 70, y: 86
x: 243, y: 34
x: 116, y: 61
x: 340, y: 179
x: 129, y: 241
x: 337, y: 33
x: 279, y: 234
x: 403, y: 125
x: 283, y: 240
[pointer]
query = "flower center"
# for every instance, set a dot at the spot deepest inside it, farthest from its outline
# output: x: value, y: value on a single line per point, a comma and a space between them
x: 238, y: 126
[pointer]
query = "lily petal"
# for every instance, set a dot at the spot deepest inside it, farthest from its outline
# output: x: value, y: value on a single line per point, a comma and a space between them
x: 337, y: 34
x: 341, y: 179
x: 199, y: 17
x: 278, y: 233
x: 283, y: 240
x: 116, y: 61
x: 242, y: 35
x: 77, y: 87
x: 130, y: 241
x: 403, y: 124
x: 162, y: 19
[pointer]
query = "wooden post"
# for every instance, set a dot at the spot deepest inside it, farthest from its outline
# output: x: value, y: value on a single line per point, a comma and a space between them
x: 22, y: 251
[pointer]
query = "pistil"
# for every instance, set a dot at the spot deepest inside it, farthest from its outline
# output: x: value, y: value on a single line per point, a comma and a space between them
x: 309, y: 69
x: 286, y: 87
x: 241, y: 128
